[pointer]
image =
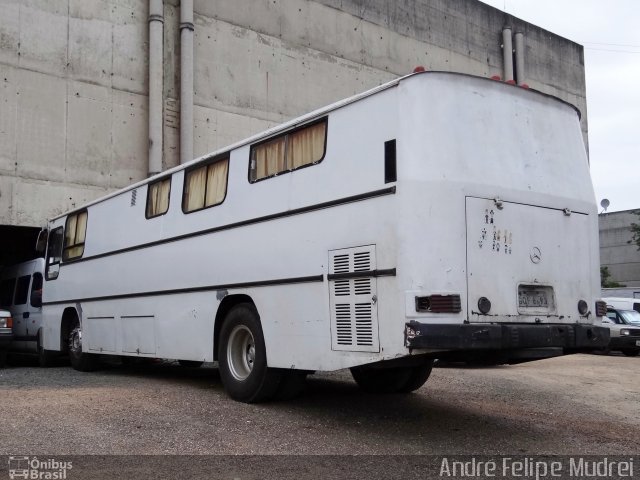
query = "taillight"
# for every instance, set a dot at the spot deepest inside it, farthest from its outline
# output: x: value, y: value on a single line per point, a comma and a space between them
x: 601, y: 308
x: 583, y: 307
x: 6, y: 322
x: 439, y: 304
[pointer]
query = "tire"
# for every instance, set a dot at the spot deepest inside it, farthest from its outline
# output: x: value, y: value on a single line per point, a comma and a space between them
x: 630, y: 352
x: 243, y: 358
x: 81, y: 361
x: 419, y: 376
x: 46, y: 358
x: 391, y: 380
x: 190, y: 363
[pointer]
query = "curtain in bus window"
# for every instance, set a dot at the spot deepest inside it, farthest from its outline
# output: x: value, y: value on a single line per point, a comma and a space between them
x: 306, y: 146
x: 158, y: 198
x: 269, y: 158
x: 70, y: 231
x: 216, y: 182
x: 194, y: 189
x: 74, y: 235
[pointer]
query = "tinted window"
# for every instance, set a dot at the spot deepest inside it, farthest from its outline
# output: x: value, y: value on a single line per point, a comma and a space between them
x: 54, y: 254
x: 22, y: 290
x: 36, y: 290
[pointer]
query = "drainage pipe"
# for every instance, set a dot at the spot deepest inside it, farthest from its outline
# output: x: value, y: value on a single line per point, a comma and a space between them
x: 156, y: 26
x: 507, y: 54
x: 519, y: 41
x: 186, y: 80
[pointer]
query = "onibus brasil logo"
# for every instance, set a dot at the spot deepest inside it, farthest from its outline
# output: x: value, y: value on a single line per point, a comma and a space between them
x: 32, y: 468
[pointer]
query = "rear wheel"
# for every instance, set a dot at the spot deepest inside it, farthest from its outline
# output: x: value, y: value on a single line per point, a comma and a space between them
x: 631, y: 352
x: 391, y: 380
x: 82, y: 361
x: 243, y: 357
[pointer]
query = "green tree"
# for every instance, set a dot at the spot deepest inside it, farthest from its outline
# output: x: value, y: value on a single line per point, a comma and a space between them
x: 605, y: 279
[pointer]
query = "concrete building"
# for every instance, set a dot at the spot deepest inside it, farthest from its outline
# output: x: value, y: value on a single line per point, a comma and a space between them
x: 76, y: 75
x: 618, y: 252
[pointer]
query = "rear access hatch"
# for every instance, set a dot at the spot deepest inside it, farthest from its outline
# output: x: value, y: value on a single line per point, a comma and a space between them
x: 531, y: 263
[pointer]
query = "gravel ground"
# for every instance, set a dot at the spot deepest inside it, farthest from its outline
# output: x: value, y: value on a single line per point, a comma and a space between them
x: 581, y: 404
x: 575, y: 405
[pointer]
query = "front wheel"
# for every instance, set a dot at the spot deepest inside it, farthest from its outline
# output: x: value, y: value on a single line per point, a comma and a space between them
x: 243, y: 357
x: 392, y: 380
x: 84, y: 362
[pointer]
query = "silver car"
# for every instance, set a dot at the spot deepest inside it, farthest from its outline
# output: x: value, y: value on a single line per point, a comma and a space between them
x: 624, y: 328
x: 6, y: 334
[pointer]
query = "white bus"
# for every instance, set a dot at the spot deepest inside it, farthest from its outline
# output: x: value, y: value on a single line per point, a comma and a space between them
x: 437, y: 216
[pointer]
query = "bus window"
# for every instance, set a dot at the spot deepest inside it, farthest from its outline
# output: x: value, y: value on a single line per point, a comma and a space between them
x: 293, y: 150
x: 54, y: 254
x: 158, y: 197
x: 205, y: 186
x: 75, y: 231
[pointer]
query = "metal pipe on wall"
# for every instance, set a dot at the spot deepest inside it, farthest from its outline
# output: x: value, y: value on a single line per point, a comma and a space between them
x: 507, y: 54
x: 156, y: 27
x: 520, y: 74
x: 186, y: 80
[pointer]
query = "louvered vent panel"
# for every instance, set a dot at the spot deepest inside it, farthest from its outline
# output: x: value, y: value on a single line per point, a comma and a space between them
x: 354, y: 319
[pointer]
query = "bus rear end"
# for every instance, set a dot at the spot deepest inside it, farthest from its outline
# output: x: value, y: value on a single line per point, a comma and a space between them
x: 498, y: 232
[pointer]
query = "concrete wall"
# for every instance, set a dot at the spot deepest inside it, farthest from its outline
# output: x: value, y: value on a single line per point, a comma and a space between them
x: 616, y: 248
x: 73, y: 78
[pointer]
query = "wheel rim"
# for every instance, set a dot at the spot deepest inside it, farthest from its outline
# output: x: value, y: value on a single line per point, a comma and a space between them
x: 75, y: 341
x: 241, y: 352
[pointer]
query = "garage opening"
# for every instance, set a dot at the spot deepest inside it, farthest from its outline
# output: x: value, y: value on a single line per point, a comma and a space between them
x: 17, y: 244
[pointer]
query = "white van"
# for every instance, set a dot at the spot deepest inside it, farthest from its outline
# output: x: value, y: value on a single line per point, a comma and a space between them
x: 623, y: 303
x: 21, y: 294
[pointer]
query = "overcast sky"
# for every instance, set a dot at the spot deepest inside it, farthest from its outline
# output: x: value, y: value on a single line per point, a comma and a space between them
x: 610, y: 34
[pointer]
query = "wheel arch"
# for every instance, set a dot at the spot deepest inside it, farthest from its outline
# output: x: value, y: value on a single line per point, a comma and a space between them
x: 69, y: 318
x: 224, y: 308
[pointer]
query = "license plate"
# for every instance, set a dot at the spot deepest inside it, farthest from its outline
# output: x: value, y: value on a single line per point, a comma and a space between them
x: 535, y: 299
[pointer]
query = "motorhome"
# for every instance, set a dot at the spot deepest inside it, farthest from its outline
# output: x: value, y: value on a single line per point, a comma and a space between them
x: 437, y: 216
x: 21, y: 294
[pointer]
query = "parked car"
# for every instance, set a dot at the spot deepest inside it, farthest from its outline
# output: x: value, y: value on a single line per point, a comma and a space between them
x: 6, y: 334
x: 21, y: 294
x: 624, y: 328
x: 623, y: 303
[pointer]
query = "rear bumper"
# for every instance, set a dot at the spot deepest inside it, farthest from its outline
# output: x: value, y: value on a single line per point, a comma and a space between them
x: 624, y: 342
x: 6, y: 336
x: 503, y: 337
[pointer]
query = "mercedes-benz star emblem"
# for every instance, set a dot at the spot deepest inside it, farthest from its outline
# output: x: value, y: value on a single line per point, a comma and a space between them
x: 535, y: 255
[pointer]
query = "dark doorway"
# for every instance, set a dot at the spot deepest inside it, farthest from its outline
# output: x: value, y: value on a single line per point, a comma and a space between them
x: 17, y: 244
